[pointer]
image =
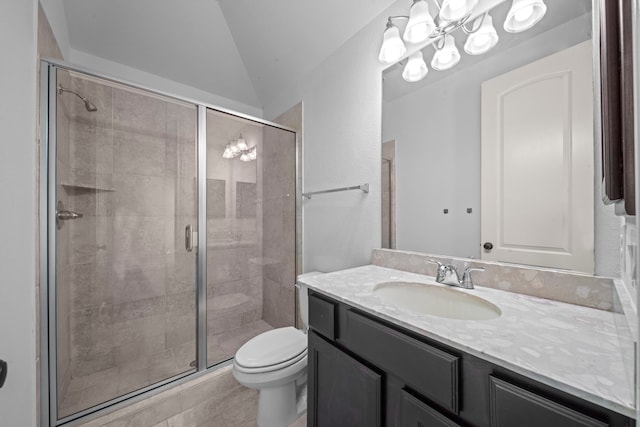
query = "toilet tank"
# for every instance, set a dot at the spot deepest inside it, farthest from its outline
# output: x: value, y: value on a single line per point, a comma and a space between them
x: 303, y: 305
x: 303, y: 300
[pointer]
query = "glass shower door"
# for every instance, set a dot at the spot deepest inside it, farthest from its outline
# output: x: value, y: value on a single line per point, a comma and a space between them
x: 251, y: 217
x: 125, y: 284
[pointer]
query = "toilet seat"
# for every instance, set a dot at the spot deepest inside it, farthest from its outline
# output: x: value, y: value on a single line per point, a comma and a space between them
x: 271, y: 351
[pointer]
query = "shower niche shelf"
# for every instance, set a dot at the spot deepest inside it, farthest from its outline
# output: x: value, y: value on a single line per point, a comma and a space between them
x: 87, y: 187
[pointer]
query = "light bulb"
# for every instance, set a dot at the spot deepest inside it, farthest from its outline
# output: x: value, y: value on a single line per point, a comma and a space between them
x: 228, y: 152
x: 420, y: 25
x: 483, y: 39
x: 241, y: 144
x: 392, y: 47
x: 447, y: 56
x: 416, y: 69
x: 455, y: 10
x: 456, y: 4
x: 523, y: 14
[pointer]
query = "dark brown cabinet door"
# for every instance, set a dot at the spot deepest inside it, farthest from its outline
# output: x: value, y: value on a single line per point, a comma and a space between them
x: 416, y: 413
x: 342, y: 391
x: 515, y: 406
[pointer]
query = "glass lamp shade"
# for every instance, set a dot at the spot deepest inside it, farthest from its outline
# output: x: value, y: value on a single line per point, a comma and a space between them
x: 455, y: 10
x: 416, y: 69
x: 483, y: 40
x: 447, y: 56
x: 229, y: 152
x: 420, y: 25
x: 241, y: 144
x: 524, y: 14
x: 392, y: 47
x: 249, y: 154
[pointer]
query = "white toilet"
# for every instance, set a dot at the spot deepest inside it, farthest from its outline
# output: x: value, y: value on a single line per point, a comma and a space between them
x: 275, y: 362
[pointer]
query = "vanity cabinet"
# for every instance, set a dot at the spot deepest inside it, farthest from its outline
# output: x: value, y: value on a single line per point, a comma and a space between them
x: 364, y: 371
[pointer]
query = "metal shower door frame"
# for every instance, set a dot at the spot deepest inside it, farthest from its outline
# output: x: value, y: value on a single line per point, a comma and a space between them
x: 47, y: 246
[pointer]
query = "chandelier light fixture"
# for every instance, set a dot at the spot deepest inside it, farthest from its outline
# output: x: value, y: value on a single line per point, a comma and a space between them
x: 238, y: 148
x: 452, y: 14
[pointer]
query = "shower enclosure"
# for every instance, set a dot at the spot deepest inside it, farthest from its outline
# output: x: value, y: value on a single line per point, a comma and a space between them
x: 168, y: 238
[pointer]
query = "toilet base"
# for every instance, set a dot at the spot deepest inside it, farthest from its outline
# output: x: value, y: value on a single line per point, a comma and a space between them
x: 282, y: 405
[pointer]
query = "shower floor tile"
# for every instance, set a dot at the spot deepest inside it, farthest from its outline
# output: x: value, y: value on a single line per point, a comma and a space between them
x: 217, y: 401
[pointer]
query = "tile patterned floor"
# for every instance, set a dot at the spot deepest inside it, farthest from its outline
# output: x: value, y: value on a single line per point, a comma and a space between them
x: 215, y: 400
x: 87, y: 391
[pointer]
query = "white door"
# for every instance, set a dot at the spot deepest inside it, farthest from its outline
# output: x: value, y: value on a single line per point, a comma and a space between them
x: 537, y: 163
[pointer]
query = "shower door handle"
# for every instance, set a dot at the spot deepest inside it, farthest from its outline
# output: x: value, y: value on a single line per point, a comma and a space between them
x: 64, y: 215
x: 188, y: 238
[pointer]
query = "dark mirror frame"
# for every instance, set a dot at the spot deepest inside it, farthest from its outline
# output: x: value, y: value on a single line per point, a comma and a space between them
x: 616, y: 72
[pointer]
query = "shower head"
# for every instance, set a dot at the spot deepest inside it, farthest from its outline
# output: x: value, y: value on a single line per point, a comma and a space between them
x: 87, y: 104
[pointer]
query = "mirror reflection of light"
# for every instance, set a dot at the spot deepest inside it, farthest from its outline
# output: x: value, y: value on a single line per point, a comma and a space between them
x: 524, y: 14
x: 416, y: 69
x: 447, y: 56
x: 483, y: 39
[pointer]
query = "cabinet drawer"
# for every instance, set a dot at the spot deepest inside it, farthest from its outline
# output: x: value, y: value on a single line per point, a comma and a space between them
x: 512, y: 405
x: 322, y: 316
x: 429, y: 371
x: 416, y: 413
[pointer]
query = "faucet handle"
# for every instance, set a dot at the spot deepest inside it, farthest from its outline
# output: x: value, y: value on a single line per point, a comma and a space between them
x: 466, y: 276
x: 433, y: 261
x: 440, y: 271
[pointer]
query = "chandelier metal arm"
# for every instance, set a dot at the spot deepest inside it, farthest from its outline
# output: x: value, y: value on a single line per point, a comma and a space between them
x: 473, y: 30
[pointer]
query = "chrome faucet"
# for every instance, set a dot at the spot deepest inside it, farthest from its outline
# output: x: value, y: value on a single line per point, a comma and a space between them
x: 448, y: 275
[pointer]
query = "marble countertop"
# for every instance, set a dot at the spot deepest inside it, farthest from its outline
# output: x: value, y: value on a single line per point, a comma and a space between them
x: 576, y: 349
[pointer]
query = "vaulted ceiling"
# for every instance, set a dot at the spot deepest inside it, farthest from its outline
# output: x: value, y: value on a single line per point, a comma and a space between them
x: 245, y: 50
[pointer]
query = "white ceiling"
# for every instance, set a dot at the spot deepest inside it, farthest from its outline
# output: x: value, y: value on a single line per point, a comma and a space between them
x: 245, y: 50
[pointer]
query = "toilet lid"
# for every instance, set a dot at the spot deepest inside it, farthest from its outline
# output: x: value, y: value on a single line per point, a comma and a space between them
x: 272, y: 348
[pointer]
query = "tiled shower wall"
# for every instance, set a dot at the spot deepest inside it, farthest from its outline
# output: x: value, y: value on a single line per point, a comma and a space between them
x: 279, y: 225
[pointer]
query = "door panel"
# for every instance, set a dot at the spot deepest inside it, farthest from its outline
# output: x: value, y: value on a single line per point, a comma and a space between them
x: 125, y: 284
x: 537, y: 163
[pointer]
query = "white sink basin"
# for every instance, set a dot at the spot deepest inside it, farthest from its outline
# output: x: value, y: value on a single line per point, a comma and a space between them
x: 436, y: 301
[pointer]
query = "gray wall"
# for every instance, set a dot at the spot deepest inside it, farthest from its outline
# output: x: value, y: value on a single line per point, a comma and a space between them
x: 17, y: 191
x: 438, y: 127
